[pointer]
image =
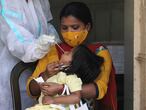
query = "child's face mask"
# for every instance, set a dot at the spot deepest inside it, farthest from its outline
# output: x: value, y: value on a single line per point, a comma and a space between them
x: 74, y: 38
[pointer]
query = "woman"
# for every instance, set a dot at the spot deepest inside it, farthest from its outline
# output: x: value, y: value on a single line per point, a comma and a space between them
x: 80, y: 65
x: 23, y: 24
x: 76, y: 23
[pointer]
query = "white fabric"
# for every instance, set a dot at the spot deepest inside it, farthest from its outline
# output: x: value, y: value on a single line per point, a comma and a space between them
x: 46, y: 9
x: 21, y: 24
x: 46, y: 40
x: 46, y: 107
x: 72, y: 106
x: 44, y: 43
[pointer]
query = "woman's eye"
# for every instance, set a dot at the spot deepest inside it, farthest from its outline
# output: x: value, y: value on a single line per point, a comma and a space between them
x: 75, y: 27
x: 64, y: 27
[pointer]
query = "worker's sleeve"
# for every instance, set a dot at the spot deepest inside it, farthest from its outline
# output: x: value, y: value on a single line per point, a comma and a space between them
x: 18, y: 39
x: 103, y: 78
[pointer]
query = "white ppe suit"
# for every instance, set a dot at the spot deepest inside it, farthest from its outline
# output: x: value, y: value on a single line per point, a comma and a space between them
x: 22, y: 25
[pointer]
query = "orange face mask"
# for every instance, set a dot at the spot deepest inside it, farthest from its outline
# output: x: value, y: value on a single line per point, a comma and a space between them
x: 74, y: 38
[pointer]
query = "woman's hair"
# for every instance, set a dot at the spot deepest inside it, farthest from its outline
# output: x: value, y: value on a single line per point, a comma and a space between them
x: 78, y: 10
x: 85, y: 64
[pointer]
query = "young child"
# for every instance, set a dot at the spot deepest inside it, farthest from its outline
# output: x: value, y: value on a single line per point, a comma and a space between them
x: 81, y: 65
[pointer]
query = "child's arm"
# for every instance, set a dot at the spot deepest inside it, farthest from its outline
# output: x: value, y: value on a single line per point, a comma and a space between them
x: 73, y: 98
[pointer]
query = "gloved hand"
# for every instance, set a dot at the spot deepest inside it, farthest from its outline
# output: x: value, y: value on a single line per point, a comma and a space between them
x: 45, y: 41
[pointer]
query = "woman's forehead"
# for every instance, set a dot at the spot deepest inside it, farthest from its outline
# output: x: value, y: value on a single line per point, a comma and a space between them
x: 70, y: 20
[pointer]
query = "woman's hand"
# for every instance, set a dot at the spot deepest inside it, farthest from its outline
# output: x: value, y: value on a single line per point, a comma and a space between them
x: 51, y: 70
x: 50, y: 89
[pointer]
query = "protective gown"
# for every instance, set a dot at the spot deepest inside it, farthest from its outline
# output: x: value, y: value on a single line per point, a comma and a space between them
x: 21, y: 26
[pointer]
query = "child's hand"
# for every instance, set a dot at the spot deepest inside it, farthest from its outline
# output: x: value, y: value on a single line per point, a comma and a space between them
x: 51, y: 88
x: 47, y: 100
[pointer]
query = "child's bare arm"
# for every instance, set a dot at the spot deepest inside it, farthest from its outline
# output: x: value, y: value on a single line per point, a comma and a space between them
x: 73, y: 98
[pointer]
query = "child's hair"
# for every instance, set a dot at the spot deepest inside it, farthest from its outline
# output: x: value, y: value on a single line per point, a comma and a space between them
x: 85, y: 64
x: 78, y: 10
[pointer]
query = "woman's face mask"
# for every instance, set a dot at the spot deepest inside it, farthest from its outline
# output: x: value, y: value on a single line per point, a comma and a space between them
x: 74, y: 32
x: 74, y: 38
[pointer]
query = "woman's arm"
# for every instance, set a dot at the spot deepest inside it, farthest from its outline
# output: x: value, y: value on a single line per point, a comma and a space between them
x: 41, y: 67
x: 74, y: 98
x: 103, y: 78
x: 36, y: 88
x: 99, y: 91
x: 47, y: 88
x: 88, y: 91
